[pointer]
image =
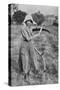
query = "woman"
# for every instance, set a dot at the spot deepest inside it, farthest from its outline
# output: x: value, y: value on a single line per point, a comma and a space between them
x: 27, y: 55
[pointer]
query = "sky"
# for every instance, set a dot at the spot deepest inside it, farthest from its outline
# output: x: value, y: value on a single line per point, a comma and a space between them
x: 43, y: 9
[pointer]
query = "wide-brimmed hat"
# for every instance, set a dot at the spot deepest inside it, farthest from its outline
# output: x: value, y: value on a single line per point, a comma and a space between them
x: 29, y: 18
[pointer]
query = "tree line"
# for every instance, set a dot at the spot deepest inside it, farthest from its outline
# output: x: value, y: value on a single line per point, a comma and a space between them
x: 17, y: 16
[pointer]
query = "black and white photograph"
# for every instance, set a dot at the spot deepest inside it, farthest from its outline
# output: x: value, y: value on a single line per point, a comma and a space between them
x: 33, y: 44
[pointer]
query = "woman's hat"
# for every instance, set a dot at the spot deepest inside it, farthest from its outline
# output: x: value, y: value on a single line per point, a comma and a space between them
x: 29, y: 18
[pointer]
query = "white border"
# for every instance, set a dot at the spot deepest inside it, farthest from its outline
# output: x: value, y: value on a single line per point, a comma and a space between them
x: 4, y: 43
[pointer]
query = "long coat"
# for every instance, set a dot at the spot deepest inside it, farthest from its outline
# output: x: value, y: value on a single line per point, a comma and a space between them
x: 27, y: 55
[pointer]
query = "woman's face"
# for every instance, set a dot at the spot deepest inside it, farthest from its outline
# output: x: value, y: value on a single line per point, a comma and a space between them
x: 29, y: 24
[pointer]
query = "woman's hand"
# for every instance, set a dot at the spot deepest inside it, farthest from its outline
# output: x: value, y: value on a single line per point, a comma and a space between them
x: 33, y: 37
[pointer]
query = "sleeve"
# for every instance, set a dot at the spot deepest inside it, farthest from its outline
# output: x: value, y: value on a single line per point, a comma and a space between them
x: 25, y: 34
